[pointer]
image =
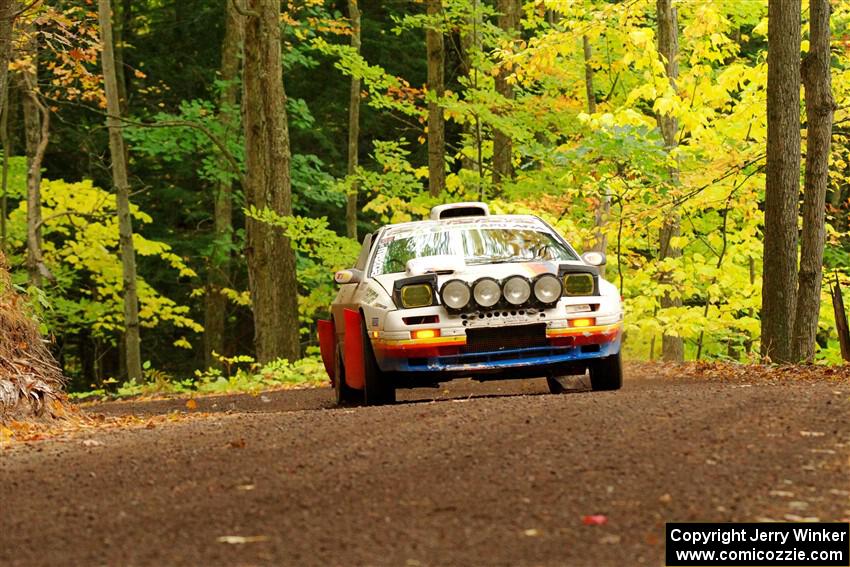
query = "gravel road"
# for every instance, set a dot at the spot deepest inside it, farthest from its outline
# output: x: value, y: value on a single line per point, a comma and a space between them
x: 471, y: 474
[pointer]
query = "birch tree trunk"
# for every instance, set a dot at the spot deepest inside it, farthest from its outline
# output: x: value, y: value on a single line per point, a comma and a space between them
x: 119, y: 19
x: 8, y: 149
x: 7, y: 13
x: 782, y: 181
x: 271, y: 259
x: 816, y: 77
x: 36, y: 134
x: 471, y: 47
x: 353, y: 124
x: 436, y: 87
x: 588, y: 74
x: 6, y: 25
x: 132, y: 341
x: 503, y: 168
x: 672, y: 348
x: 215, y: 305
x: 604, y: 207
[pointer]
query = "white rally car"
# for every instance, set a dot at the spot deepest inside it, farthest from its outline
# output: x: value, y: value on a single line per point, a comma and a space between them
x: 469, y: 294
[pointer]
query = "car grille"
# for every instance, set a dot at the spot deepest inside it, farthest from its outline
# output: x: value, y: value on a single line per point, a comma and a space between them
x: 494, y: 339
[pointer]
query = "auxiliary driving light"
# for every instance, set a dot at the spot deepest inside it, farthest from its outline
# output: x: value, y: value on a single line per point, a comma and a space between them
x: 578, y: 284
x: 455, y: 294
x: 417, y: 295
x: 486, y: 292
x: 517, y: 290
x: 425, y: 334
x: 547, y: 289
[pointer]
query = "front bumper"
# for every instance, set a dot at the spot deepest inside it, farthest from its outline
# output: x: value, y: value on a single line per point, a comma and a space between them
x: 449, y: 354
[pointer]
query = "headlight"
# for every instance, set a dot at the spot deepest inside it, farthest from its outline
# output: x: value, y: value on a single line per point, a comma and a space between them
x: 486, y: 292
x: 578, y: 284
x: 547, y: 289
x: 455, y: 294
x: 416, y: 295
x: 517, y: 290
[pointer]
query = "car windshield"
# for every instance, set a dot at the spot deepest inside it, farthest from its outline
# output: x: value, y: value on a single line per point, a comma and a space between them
x: 477, y: 245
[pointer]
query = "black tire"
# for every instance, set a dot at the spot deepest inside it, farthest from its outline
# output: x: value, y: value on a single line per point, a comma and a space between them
x: 343, y: 393
x: 607, y: 373
x: 379, y: 389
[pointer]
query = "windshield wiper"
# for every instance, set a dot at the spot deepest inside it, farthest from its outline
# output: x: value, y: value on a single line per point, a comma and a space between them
x: 500, y: 260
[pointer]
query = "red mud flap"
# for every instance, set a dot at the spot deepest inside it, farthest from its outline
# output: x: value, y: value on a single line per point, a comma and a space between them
x: 355, y: 367
x: 327, y: 346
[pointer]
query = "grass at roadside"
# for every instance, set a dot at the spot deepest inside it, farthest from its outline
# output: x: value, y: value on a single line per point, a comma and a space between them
x: 238, y: 374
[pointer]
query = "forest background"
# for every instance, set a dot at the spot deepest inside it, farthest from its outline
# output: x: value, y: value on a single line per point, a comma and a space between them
x: 635, y: 127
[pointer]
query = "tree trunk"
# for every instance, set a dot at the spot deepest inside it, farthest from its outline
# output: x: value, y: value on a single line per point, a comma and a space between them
x: 7, y: 12
x: 672, y: 348
x: 132, y: 341
x: 6, y: 25
x: 436, y: 89
x: 819, y: 109
x: 215, y: 315
x: 271, y: 259
x: 36, y: 129
x: 503, y: 167
x: 603, y: 208
x: 841, y: 326
x: 6, y: 140
x: 471, y: 47
x: 353, y: 124
x: 588, y: 75
x: 119, y: 17
x: 782, y: 181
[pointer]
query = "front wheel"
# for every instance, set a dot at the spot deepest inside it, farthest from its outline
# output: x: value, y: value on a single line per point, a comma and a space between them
x: 379, y: 390
x: 607, y: 373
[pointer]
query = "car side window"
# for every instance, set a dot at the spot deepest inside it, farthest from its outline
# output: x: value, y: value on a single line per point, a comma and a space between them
x: 364, y: 253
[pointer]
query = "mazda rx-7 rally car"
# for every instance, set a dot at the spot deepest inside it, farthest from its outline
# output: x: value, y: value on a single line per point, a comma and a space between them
x: 469, y: 294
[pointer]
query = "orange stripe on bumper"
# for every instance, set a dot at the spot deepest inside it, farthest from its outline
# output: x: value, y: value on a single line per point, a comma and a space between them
x: 419, y: 348
x: 600, y: 330
x: 580, y: 336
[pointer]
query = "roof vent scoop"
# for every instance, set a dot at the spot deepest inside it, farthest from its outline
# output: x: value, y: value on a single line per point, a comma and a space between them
x: 455, y: 210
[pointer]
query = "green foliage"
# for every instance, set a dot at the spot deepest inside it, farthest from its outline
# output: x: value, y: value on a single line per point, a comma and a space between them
x: 321, y: 252
x: 16, y: 180
x: 573, y: 165
x: 80, y: 233
x: 245, y: 376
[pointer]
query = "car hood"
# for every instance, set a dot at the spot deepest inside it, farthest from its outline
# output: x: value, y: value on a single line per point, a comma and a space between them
x: 469, y: 274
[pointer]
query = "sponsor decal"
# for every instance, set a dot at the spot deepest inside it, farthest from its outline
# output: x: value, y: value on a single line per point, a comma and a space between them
x: 370, y: 296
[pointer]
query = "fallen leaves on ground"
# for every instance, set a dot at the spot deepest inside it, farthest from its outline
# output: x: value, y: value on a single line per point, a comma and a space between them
x: 238, y: 540
x: 735, y: 371
x: 594, y: 520
x: 78, y: 423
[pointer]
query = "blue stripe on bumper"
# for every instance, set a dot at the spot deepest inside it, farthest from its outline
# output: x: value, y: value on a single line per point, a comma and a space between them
x: 503, y: 359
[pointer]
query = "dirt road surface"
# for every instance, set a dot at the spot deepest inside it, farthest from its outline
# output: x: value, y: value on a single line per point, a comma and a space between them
x: 493, y: 474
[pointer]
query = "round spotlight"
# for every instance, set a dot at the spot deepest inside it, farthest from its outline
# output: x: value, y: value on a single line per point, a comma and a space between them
x: 455, y: 294
x: 517, y: 290
x: 547, y: 289
x: 486, y: 292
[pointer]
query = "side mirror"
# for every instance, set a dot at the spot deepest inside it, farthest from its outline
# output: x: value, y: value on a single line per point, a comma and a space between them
x: 594, y: 258
x: 348, y: 276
